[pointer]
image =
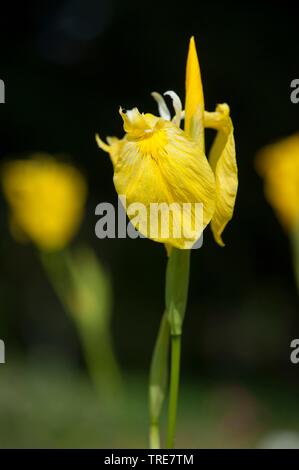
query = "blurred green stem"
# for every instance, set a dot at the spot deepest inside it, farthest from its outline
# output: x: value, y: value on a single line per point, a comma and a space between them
x: 84, y: 291
x: 101, y: 362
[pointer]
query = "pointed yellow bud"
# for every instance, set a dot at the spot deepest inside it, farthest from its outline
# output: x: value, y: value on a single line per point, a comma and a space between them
x: 194, y: 105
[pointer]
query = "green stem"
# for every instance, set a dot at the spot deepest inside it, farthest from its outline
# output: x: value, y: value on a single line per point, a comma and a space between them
x: 154, y: 436
x: 174, y: 388
x: 177, y: 284
x: 176, y: 293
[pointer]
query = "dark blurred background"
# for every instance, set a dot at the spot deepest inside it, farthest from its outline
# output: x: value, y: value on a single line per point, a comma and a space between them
x: 67, y: 66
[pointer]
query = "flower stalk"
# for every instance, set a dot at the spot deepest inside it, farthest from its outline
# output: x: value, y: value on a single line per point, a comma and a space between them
x: 176, y: 294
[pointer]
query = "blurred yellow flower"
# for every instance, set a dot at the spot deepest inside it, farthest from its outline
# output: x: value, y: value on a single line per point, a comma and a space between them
x: 278, y: 164
x: 158, y: 162
x: 46, y: 200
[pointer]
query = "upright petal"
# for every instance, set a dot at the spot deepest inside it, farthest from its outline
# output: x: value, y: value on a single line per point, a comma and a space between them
x: 222, y: 159
x: 194, y: 104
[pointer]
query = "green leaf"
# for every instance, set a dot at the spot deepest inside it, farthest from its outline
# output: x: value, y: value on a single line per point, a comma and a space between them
x: 159, y: 371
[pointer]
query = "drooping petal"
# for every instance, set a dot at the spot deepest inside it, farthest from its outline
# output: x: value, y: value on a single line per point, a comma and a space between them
x: 222, y: 159
x: 163, y: 166
x: 194, y: 104
x: 112, y: 147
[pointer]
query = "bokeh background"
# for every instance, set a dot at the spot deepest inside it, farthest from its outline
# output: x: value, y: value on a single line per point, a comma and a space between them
x: 67, y: 66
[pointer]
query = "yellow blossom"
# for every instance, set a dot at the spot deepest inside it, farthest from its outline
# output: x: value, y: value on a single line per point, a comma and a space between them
x: 159, y: 162
x: 46, y: 200
x: 278, y: 164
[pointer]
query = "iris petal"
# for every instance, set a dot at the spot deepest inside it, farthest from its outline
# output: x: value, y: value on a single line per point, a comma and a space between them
x: 112, y: 146
x: 164, y: 167
x: 222, y: 159
x: 194, y: 105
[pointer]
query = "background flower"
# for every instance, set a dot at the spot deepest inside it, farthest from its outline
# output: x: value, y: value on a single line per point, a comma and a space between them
x: 46, y: 200
x: 278, y: 164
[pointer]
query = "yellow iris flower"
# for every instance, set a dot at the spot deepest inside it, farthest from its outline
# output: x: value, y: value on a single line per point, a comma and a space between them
x: 278, y: 164
x: 46, y: 199
x: 159, y: 162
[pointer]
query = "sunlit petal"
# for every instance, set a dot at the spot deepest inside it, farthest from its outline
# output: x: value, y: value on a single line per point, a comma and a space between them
x: 164, y: 167
x: 194, y: 105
